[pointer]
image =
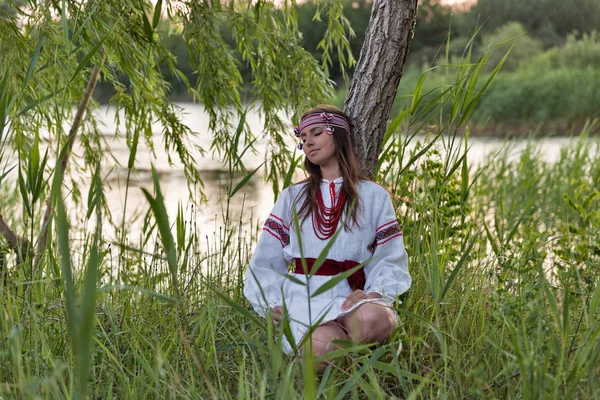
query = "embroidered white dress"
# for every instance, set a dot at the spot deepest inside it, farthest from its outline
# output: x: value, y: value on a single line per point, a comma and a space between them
x: 379, y: 240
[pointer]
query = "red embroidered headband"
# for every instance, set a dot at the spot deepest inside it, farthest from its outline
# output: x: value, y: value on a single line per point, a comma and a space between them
x: 322, y: 118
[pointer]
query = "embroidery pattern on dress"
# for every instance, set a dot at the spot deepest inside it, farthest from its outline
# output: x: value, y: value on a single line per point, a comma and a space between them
x: 274, y: 226
x: 387, y: 232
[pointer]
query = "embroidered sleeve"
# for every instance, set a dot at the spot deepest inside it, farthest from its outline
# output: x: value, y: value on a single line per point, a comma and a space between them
x: 275, y: 227
x: 387, y: 272
x: 387, y: 232
x: 264, y: 276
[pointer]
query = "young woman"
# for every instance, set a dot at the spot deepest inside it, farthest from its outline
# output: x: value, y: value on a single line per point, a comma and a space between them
x: 358, y: 308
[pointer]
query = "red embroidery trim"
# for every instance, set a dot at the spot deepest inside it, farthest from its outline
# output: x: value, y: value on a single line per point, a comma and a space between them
x: 390, y: 238
x: 386, y: 224
x: 278, y: 230
x: 279, y: 219
x: 391, y: 231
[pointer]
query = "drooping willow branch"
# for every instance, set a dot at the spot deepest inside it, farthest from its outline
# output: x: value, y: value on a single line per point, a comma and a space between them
x: 64, y: 160
x: 19, y: 245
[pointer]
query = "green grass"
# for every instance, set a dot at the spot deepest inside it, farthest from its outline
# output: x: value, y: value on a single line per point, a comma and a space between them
x: 516, y: 317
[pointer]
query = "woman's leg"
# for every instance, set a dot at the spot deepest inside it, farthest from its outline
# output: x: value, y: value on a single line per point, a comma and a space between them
x: 370, y: 322
x: 321, y: 341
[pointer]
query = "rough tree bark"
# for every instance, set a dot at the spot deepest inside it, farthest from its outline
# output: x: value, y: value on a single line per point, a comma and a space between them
x: 377, y: 75
x: 18, y: 244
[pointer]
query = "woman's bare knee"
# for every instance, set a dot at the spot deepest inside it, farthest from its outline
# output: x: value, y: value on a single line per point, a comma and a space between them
x: 371, y: 322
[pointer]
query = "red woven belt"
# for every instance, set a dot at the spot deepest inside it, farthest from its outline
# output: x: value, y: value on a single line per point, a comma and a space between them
x: 332, y: 267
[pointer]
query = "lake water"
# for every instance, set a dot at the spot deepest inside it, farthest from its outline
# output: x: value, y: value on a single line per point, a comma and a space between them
x: 256, y: 197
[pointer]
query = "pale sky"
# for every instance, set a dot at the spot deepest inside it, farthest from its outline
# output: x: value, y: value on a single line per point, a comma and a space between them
x: 457, y: 2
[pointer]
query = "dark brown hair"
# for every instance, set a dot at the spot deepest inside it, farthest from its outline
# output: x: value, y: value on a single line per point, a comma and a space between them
x: 348, y: 163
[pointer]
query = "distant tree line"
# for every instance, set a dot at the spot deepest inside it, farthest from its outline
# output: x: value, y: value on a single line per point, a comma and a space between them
x: 547, y: 23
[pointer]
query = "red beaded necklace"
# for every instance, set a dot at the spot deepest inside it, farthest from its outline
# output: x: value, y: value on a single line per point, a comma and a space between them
x: 325, y: 219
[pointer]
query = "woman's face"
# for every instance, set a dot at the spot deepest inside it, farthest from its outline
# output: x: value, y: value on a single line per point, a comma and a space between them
x: 318, y: 145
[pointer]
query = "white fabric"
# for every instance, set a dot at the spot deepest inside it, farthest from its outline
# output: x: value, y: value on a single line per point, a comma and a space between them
x: 378, y: 239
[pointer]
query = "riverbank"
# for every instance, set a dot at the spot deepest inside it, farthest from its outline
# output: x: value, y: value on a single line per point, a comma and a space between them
x: 524, y: 131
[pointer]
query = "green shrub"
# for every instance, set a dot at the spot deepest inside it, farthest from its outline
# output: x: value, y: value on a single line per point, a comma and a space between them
x: 576, y: 53
x: 512, y: 34
x: 562, y: 95
x: 557, y: 86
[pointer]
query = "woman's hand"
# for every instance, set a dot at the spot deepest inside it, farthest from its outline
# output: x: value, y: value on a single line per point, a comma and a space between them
x: 357, y: 296
x: 276, y: 313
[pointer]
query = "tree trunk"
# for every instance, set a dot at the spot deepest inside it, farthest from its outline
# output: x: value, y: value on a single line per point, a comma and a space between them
x: 377, y: 75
